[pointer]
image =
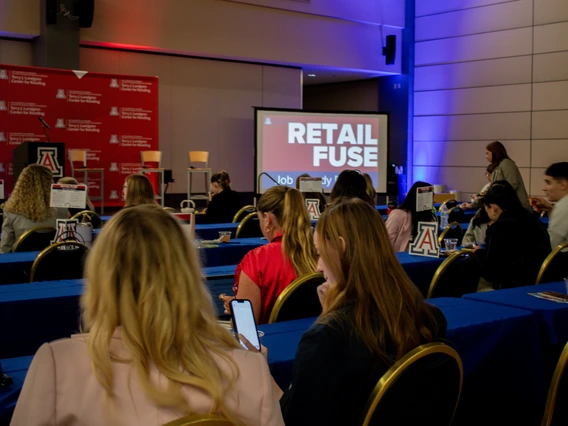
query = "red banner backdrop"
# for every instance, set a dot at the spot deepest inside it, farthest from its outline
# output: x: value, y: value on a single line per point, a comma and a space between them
x: 114, y: 117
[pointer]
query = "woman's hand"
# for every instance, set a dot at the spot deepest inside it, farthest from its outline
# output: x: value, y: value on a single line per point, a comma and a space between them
x: 540, y: 204
x: 226, y: 300
x: 251, y: 347
x: 466, y: 206
x: 322, y: 291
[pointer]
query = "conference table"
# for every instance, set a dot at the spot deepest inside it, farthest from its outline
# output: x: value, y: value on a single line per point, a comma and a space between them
x: 499, y: 347
x: 16, y: 267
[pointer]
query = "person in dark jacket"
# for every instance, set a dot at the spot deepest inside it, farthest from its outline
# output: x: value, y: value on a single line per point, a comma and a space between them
x: 516, y: 243
x: 225, y: 202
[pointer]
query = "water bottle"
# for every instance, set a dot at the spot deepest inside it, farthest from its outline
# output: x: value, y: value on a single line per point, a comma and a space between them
x: 444, y: 216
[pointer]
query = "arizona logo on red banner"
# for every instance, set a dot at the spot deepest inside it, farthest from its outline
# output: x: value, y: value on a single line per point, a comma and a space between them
x: 48, y: 157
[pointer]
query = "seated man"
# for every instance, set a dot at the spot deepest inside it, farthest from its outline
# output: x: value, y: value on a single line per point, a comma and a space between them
x: 556, y: 190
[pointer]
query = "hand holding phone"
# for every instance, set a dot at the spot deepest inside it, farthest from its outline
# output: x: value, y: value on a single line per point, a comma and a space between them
x: 244, y: 322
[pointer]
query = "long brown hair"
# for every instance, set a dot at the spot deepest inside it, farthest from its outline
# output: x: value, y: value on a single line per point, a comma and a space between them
x: 156, y: 294
x: 138, y: 190
x: 222, y: 179
x: 32, y: 193
x: 287, y: 205
x: 389, y: 314
x: 498, y: 154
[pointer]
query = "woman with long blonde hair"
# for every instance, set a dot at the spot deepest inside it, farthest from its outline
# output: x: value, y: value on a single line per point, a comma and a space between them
x: 154, y: 351
x: 138, y: 190
x: 267, y: 270
x: 372, y: 316
x: 28, y: 206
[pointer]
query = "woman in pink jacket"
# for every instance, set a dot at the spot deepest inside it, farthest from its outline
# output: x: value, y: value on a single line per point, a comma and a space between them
x: 402, y: 223
x: 154, y: 351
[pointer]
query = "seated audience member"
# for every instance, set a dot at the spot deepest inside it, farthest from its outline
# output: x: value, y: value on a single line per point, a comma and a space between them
x: 312, y: 195
x: 372, y: 316
x: 351, y: 184
x: 475, y: 234
x: 137, y: 190
x: 225, y: 202
x: 516, y: 243
x: 402, y: 222
x: 556, y: 189
x: 477, y: 199
x: 154, y: 351
x: 62, y: 212
x: 267, y: 270
x: 370, y: 188
x: 28, y: 206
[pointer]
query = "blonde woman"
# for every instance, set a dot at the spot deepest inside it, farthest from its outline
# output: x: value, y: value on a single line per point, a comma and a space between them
x: 62, y: 212
x: 28, y: 206
x: 137, y: 190
x: 267, y: 270
x: 154, y: 351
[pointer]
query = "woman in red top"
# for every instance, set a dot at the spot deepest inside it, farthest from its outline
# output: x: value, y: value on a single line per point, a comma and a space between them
x: 267, y: 270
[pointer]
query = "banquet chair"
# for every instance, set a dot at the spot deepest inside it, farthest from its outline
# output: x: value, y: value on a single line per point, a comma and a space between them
x: 154, y: 157
x: 246, y: 210
x: 555, y: 266
x: 456, y: 214
x: 557, y: 414
x: 80, y: 156
x: 201, y: 419
x: 35, y: 239
x: 298, y: 300
x: 60, y: 261
x: 201, y: 157
x: 93, y: 218
x: 450, y: 204
x: 249, y: 227
x: 459, y: 274
x: 454, y: 230
x: 421, y: 388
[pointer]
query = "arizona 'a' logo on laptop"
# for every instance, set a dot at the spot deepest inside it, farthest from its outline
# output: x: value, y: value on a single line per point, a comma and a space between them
x: 2, y: 137
x: 61, y: 94
x: 114, y: 83
x: 3, y: 75
x: 60, y: 123
x: 426, y: 242
x: 3, y: 106
x: 48, y: 157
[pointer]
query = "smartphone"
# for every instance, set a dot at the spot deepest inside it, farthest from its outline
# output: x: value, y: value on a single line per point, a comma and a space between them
x: 243, y: 321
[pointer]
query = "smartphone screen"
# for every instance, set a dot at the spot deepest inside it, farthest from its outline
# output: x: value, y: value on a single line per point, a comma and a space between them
x: 243, y: 321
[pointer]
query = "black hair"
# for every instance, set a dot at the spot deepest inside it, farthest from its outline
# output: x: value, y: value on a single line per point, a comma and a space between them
x: 502, y: 194
x: 351, y: 184
x: 558, y: 171
x: 409, y: 204
x: 222, y: 178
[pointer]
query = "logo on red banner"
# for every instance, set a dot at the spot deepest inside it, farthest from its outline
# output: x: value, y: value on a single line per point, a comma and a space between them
x: 113, y: 139
x: 114, y: 111
x: 61, y: 94
x: 113, y: 167
x: 2, y: 170
x: 114, y: 83
x: 3, y: 75
x: 48, y: 157
x: 3, y: 106
x: 60, y: 124
x: 2, y: 137
x: 113, y: 195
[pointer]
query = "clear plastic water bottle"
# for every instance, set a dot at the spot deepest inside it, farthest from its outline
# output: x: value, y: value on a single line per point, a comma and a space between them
x: 444, y: 213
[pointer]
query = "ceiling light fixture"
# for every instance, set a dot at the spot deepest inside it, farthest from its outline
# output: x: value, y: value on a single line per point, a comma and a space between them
x: 311, y: 75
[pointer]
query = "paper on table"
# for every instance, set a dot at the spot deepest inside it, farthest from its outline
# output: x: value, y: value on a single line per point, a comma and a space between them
x: 549, y: 295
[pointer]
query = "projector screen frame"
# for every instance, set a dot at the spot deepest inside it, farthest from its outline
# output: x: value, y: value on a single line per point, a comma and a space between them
x: 316, y: 111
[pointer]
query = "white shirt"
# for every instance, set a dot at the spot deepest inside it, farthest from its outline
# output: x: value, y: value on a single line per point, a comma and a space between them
x: 558, y: 225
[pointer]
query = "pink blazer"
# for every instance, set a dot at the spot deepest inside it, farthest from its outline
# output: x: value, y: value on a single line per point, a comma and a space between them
x: 399, y: 227
x: 61, y: 389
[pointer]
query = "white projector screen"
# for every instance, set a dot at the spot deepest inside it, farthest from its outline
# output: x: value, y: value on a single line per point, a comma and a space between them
x: 322, y: 144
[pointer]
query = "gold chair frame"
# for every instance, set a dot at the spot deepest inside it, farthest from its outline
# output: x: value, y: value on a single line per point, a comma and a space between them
x: 48, y: 250
x: 442, y: 270
x: 548, y: 261
x: 29, y: 232
x: 89, y: 213
x: 393, y: 373
x: 445, y: 231
x: 445, y: 202
x: 245, y: 208
x: 287, y: 292
x: 554, y: 385
x: 201, y: 419
x: 245, y: 220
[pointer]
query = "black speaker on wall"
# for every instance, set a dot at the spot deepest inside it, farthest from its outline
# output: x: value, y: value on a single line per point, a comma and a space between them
x: 84, y: 9
x: 51, y: 12
x: 389, y: 51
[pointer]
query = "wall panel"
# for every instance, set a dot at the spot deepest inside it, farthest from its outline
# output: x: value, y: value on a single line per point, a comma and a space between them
x: 550, y: 125
x: 550, y: 96
x: 548, y: 11
x: 551, y: 38
x: 430, y: 7
x: 551, y: 66
x: 546, y: 152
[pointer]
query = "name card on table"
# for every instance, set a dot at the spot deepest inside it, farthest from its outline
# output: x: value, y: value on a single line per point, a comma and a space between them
x: 424, y: 198
x: 310, y: 184
x: 426, y: 241
x: 68, y: 196
x: 67, y: 231
x: 1, y: 189
x: 313, y: 206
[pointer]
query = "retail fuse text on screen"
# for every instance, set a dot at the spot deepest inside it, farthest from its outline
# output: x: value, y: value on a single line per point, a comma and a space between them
x: 362, y: 151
